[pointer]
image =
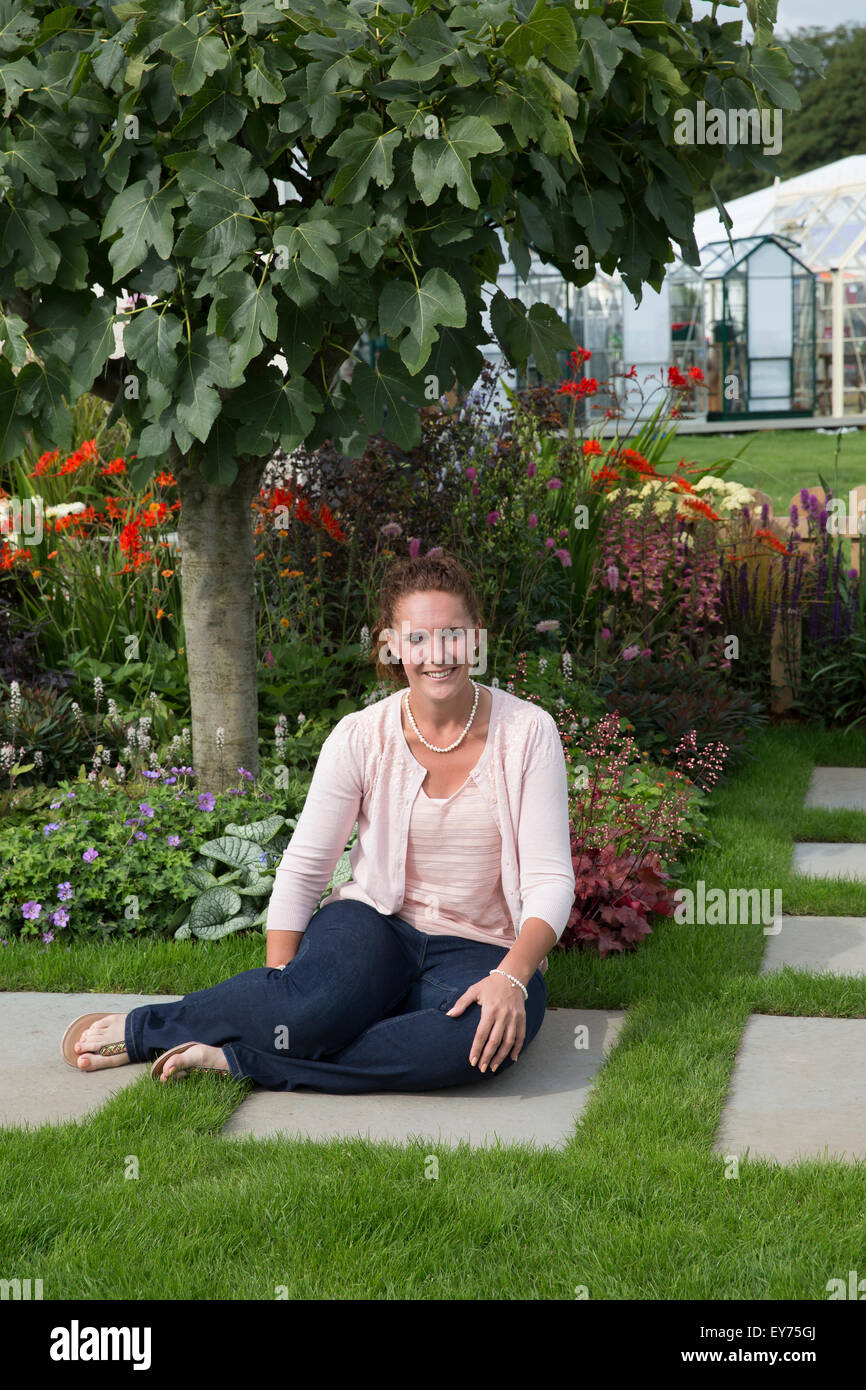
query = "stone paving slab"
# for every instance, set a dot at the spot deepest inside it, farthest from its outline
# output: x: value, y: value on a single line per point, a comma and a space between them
x: 535, y: 1102
x: 36, y: 1085
x: 829, y: 860
x: 838, y: 788
x: 798, y: 1090
x: 834, y: 944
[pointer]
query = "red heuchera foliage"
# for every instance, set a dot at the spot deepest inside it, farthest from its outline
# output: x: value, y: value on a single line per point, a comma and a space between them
x: 614, y: 897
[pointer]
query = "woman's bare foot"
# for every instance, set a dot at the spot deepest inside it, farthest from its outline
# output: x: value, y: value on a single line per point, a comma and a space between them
x: 196, y: 1055
x: 105, y: 1031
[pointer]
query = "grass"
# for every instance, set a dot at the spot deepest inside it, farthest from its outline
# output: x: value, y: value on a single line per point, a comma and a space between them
x: 780, y: 462
x: 636, y: 1207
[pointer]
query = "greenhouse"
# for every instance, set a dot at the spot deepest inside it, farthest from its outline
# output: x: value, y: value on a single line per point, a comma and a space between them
x: 775, y: 317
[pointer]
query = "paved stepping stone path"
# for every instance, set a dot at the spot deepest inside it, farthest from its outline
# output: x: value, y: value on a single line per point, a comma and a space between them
x: 36, y: 1085
x: 798, y: 1088
x: 535, y: 1102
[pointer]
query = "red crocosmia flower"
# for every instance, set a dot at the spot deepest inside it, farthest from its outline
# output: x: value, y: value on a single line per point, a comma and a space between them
x: 683, y: 484
x: 632, y: 459
x: 580, y: 356
x: 568, y: 388
x: 698, y: 505
x: 676, y: 378
x: 330, y: 523
x: 696, y: 374
x: 116, y: 466
x: 130, y: 540
x: 165, y: 480
x: 590, y: 447
x: 606, y: 477
x: 44, y: 463
x: 587, y: 387
x: 771, y: 540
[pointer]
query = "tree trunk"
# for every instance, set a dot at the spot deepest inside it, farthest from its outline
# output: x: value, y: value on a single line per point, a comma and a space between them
x: 215, y: 534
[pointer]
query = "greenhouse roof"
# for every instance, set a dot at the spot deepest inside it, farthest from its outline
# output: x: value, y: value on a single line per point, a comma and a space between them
x: 824, y: 211
x: 720, y: 257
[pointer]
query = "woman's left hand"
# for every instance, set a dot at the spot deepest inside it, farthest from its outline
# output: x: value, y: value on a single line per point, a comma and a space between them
x: 503, y: 1020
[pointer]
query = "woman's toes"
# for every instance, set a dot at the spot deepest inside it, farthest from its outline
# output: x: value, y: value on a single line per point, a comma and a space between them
x: 107, y: 1031
x: 197, y: 1055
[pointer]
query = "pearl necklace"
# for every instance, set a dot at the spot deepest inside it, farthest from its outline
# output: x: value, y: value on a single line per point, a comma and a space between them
x: 432, y: 746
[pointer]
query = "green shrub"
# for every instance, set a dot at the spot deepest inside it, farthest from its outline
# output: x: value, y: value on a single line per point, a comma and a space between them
x: 665, y: 700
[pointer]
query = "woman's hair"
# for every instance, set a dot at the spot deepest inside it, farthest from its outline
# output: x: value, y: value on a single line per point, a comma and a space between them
x: 414, y: 576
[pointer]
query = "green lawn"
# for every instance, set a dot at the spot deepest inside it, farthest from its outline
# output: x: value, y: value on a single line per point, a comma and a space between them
x: 636, y: 1207
x: 780, y: 462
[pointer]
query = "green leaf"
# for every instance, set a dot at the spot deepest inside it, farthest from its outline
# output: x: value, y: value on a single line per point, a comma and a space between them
x: 365, y: 153
x: 142, y: 214
x: 600, y: 54
x: 274, y: 409
x: 150, y: 339
x: 200, y: 878
x: 448, y: 159
x: 204, y: 364
x: 428, y: 45
x: 243, y: 311
x: 599, y: 211
x: 311, y: 240
x: 198, y: 56
x: 218, y: 460
x: 548, y: 33
x: 13, y: 332
x: 230, y: 849
x: 259, y: 831
x: 17, y: 28
x: 220, y: 204
x: 261, y: 83
x: 386, y: 388
x: 214, y: 906
x: 420, y: 308
x: 25, y: 165
x: 771, y: 73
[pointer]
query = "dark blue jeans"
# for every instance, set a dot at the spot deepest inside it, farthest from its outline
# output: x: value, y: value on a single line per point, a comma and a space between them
x: 362, y: 1007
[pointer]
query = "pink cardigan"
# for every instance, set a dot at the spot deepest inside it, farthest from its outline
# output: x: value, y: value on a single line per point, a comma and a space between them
x: 366, y: 772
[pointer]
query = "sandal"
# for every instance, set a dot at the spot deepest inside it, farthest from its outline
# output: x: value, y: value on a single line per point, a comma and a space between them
x: 73, y: 1033
x: 157, y: 1068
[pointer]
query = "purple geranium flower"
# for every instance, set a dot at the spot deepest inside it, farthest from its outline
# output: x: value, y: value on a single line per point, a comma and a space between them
x: 31, y: 910
x: 206, y: 801
x: 89, y: 855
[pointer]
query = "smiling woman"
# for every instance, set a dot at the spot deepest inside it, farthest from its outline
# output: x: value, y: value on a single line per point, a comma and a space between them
x: 427, y: 968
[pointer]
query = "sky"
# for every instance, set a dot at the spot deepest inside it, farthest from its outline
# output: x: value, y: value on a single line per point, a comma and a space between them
x: 796, y: 14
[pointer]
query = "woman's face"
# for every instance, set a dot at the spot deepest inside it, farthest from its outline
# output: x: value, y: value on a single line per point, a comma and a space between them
x: 432, y: 631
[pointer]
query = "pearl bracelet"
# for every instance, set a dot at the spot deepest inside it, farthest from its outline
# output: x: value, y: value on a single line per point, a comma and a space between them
x: 519, y: 983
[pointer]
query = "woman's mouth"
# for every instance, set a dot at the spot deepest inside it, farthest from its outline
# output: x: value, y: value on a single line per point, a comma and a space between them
x: 441, y: 679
